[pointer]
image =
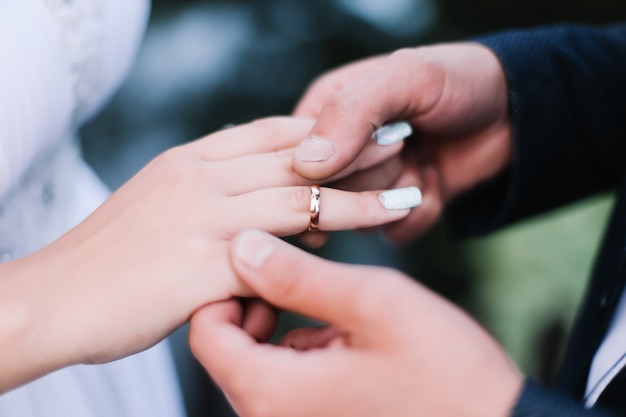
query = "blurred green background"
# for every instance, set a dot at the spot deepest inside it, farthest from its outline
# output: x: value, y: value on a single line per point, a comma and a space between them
x: 205, y: 64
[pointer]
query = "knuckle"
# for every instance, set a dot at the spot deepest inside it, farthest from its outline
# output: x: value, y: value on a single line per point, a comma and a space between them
x: 178, y: 169
x: 301, y: 195
x: 428, y: 65
x: 299, y: 200
x: 343, y: 102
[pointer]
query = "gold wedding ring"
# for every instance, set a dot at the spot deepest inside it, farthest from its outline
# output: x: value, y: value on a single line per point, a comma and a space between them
x: 314, y: 208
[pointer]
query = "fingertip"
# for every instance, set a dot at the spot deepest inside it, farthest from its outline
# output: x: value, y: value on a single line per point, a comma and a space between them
x: 392, y: 133
x: 218, y: 344
x: 251, y: 248
x: 323, y: 155
x: 208, y: 326
x: 297, y: 281
x: 423, y: 217
x: 224, y: 311
x: 401, y: 198
x: 260, y: 319
x: 313, y: 240
x: 306, y: 338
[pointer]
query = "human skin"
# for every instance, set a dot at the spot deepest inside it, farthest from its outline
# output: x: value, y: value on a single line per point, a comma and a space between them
x: 454, y: 95
x: 394, y: 349
x: 157, y: 249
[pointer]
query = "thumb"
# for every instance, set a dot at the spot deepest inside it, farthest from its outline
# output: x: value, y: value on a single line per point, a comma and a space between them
x: 401, y: 88
x: 353, y: 297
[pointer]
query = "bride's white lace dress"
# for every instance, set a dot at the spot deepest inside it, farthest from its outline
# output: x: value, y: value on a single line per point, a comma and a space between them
x: 61, y: 59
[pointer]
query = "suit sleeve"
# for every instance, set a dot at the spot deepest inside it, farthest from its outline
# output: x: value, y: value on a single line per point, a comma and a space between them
x: 567, y: 90
x: 537, y: 401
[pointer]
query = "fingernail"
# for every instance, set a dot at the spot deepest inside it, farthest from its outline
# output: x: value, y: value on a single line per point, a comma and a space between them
x: 253, y: 248
x: 315, y: 149
x: 401, y: 198
x: 392, y: 133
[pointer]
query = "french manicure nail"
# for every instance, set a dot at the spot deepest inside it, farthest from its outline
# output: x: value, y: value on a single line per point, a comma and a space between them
x: 253, y: 248
x: 392, y: 133
x: 401, y: 198
x: 315, y: 149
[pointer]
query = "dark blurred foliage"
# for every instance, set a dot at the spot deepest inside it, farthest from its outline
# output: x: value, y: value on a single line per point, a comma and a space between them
x: 205, y: 64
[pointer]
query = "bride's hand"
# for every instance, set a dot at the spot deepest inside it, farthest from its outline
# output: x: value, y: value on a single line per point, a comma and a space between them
x: 157, y: 249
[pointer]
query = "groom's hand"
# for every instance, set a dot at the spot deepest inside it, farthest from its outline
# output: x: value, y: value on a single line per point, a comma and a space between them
x: 394, y: 348
x: 454, y: 95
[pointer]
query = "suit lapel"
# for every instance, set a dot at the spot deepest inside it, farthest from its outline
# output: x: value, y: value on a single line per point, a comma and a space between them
x: 594, y: 318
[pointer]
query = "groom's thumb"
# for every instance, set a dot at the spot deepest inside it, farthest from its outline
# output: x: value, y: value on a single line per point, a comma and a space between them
x: 350, y: 296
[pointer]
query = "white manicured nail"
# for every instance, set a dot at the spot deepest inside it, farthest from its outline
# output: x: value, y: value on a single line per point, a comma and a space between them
x: 392, y: 133
x: 253, y: 248
x: 401, y: 198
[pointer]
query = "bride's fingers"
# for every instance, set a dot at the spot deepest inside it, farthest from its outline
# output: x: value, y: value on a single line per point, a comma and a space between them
x: 313, y: 240
x: 379, y: 177
x: 286, y: 210
x: 307, y: 338
x: 252, y: 172
x: 258, y: 137
x: 418, y: 221
x: 370, y: 156
x: 260, y: 319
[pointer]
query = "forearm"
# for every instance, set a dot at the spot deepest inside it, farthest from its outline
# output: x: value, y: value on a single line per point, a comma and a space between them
x: 567, y: 102
x: 536, y: 401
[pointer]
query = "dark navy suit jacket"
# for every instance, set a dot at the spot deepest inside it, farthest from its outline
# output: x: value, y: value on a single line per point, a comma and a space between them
x: 567, y: 89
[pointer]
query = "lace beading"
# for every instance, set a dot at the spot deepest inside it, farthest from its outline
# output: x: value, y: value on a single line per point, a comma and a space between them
x: 38, y: 210
x: 82, y: 27
x: 45, y: 203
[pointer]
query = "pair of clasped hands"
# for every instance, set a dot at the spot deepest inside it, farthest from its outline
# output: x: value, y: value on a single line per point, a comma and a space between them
x: 195, y: 231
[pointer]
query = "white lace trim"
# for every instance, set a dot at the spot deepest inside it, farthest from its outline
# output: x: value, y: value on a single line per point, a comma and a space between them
x: 55, y: 194
x: 82, y: 27
x: 47, y: 201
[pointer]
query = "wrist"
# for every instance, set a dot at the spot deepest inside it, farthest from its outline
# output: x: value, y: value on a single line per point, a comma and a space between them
x: 28, y: 337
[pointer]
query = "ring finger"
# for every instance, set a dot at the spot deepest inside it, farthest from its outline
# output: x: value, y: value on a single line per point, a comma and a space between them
x: 286, y: 210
